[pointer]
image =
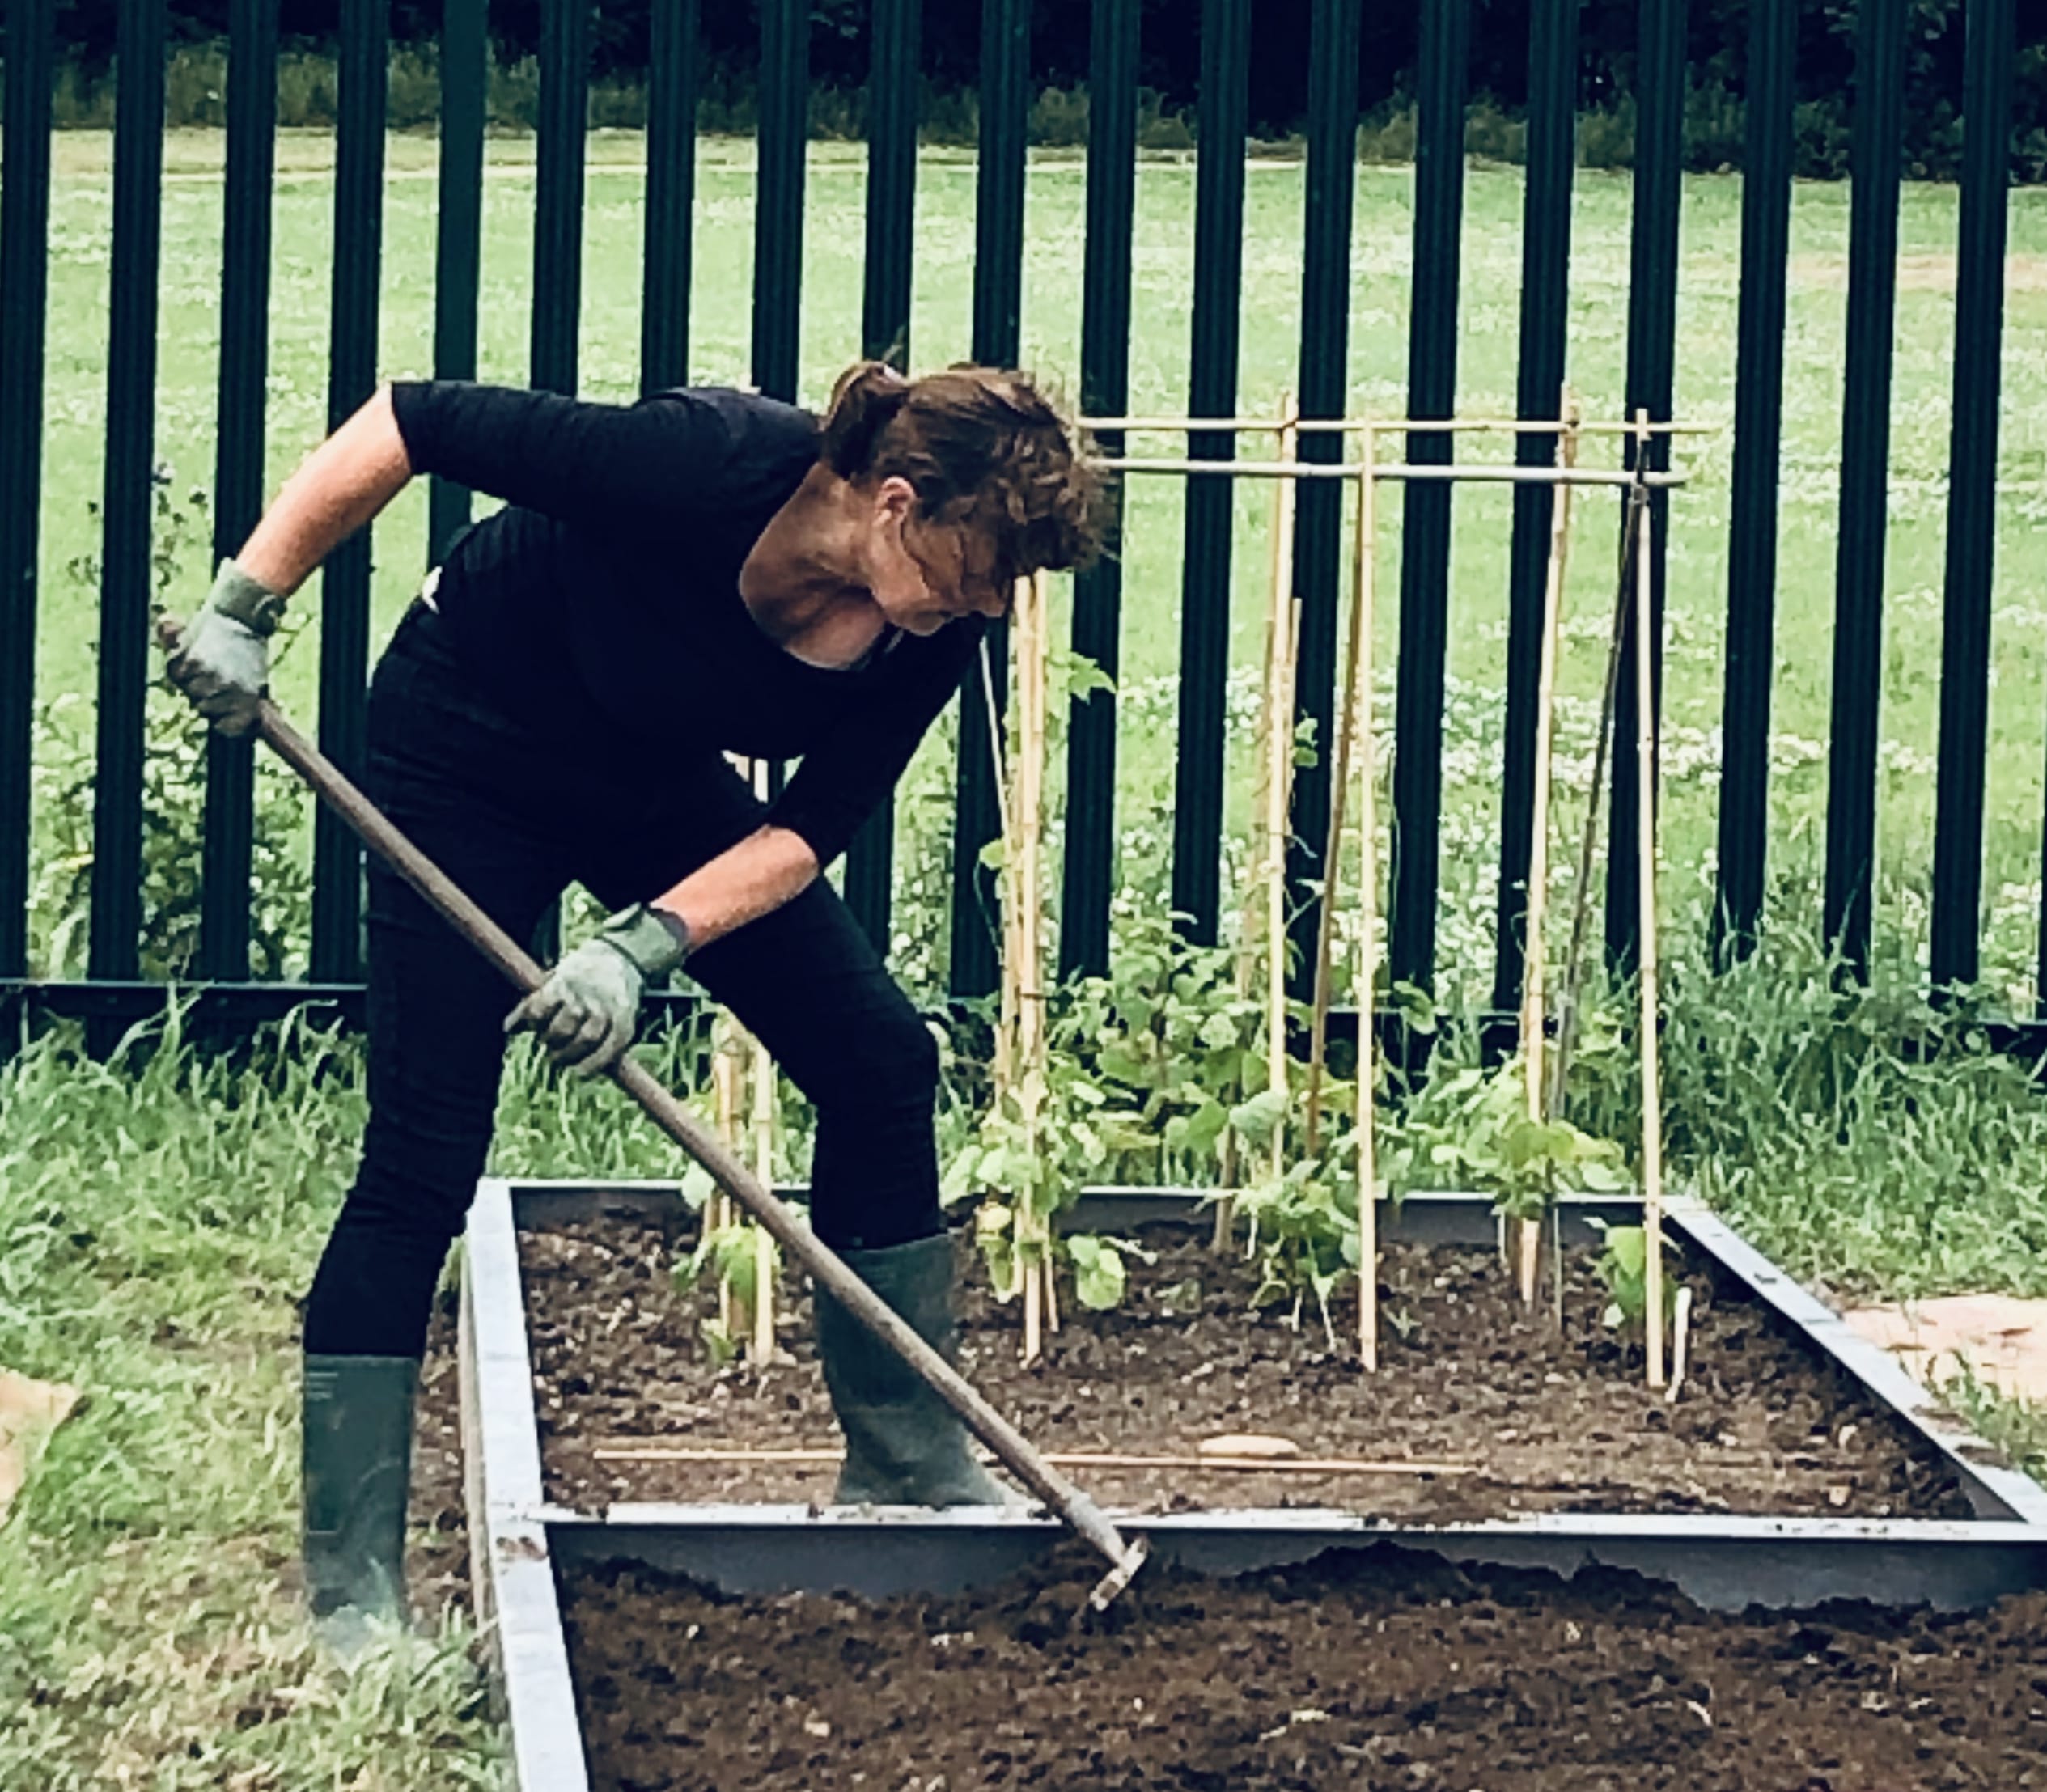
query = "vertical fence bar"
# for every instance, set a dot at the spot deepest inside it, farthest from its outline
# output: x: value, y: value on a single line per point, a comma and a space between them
x: 1545, y: 292
x: 1865, y: 464
x: 671, y: 196
x: 893, y: 88
x: 1752, y: 503
x: 998, y: 320
x: 238, y: 464
x: 1089, y: 870
x: 351, y: 378
x: 555, y: 323
x: 458, y: 244
x: 129, y: 493
x: 1332, y: 181
x: 557, y: 192
x: 1424, y: 545
x: 24, y: 285
x: 1972, y: 494
x: 783, y: 146
x: 778, y: 208
x: 1652, y: 356
x: 1212, y: 391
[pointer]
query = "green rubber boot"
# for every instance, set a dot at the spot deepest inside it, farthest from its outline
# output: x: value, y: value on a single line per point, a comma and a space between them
x: 357, y: 1467
x: 903, y: 1445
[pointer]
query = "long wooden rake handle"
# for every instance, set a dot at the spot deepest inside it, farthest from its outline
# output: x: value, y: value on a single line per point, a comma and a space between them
x: 1009, y: 1444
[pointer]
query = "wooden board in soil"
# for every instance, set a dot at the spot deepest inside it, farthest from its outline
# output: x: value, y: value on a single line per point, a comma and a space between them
x: 1375, y: 1671
x: 1552, y: 1421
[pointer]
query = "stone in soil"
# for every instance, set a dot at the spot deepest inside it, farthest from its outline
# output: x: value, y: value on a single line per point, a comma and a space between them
x: 1548, y: 1420
x: 1371, y: 1672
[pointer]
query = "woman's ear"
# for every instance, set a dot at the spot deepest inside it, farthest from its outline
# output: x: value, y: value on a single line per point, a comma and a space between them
x: 894, y: 499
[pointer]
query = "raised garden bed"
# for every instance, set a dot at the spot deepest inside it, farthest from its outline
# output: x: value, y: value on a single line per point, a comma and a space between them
x: 1797, y: 1465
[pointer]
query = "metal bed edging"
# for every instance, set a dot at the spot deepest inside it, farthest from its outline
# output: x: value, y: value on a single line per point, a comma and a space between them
x: 511, y: 1572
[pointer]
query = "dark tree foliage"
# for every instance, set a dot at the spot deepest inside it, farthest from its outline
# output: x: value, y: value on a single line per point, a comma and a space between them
x: 1172, y: 49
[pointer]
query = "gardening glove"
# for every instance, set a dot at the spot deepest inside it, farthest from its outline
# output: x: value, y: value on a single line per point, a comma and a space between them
x: 222, y: 660
x: 586, y: 1010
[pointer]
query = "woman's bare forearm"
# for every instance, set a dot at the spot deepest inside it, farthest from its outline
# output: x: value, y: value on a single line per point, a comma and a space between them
x: 339, y: 487
x: 763, y: 871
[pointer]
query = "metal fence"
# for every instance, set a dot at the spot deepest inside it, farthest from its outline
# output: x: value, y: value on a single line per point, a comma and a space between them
x: 114, y: 991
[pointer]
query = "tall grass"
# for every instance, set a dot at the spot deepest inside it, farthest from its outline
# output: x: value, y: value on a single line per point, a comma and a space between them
x: 1870, y: 1142
x: 158, y: 1215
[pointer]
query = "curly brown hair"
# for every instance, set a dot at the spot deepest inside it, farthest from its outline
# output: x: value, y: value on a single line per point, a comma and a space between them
x: 980, y: 447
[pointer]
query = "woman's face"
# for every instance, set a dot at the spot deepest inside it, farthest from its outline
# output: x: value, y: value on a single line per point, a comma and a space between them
x: 923, y: 574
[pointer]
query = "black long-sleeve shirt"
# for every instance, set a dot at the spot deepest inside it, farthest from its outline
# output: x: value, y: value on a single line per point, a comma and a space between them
x: 604, y: 602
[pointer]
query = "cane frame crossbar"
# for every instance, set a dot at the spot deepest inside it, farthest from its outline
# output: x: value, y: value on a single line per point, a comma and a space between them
x: 1378, y: 468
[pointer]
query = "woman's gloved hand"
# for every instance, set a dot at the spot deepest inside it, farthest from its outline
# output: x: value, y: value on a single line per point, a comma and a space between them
x: 586, y: 1010
x: 221, y: 658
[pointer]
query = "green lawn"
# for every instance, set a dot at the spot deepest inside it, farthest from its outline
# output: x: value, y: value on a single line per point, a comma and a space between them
x: 1708, y: 299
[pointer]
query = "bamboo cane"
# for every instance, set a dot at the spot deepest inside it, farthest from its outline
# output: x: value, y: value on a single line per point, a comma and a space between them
x: 1318, y: 1037
x: 1588, y: 840
x: 725, y: 1081
x: 1358, y: 715
x: 763, y: 1165
x: 1071, y: 1459
x: 1041, y: 1310
x: 1652, y: 1097
x: 1011, y: 1069
x: 764, y: 1168
x: 1279, y: 744
x: 1278, y: 797
x: 1004, y: 1070
x: 1424, y: 472
x: 1534, y: 997
x: 1386, y: 425
x: 1255, y: 917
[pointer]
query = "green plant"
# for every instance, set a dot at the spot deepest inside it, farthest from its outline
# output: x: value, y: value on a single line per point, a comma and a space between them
x: 1623, y: 1267
x: 1174, y: 1053
x: 1099, y: 1277
x: 1026, y: 1177
x: 1471, y: 1128
x: 64, y: 778
x: 1303, y: 1232
x: 733, y: 1256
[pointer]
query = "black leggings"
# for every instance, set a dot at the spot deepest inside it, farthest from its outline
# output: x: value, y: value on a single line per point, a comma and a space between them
x: 514, y: 821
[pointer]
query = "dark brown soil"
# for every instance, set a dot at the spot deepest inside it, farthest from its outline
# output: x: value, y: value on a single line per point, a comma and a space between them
x: 1547, y: 1420
x: 1372, y: 1672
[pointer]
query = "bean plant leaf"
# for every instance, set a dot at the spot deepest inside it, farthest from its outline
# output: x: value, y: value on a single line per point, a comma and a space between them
x: 1206, y: 1125
x: 1098, y: 1276
x: 698, y: 1186
x: 995, y: 1233
x: 1624, y: 1267
x: 1256, y: 1118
